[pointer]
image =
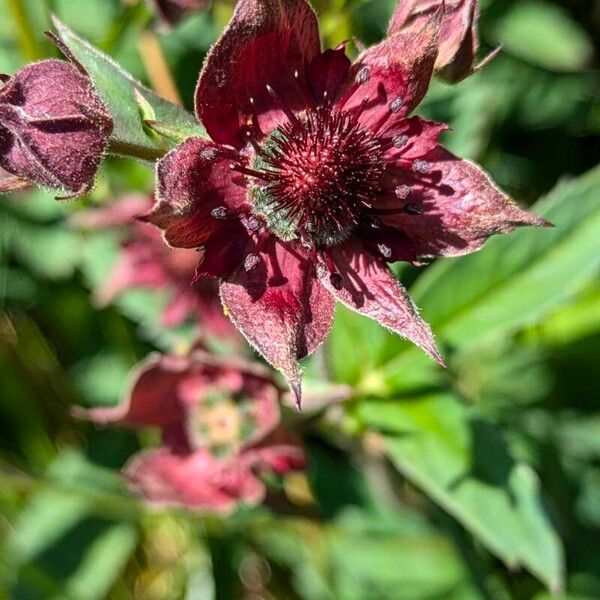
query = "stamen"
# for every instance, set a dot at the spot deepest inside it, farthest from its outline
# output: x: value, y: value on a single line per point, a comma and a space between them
x: 219, y: 213
x: 253, y: 223
x: 255, y: 122
x: 400, y: 140
x: 321, y: 270
x: 396, y: 105
x: 250, y: 172
x: 306, y: 95
x: 336, y: 281
x: 421, y: 166
x: 363, y: 75
x: 208, y: 154
x: 413, y: 209
x: 359, y: 111
x: 393, y: 107
x: 251, y: 261
x: 402, y: 192
x: 257, y: 147
x: 375, y: 222
x: 386, y: 251
x: 286, y: 109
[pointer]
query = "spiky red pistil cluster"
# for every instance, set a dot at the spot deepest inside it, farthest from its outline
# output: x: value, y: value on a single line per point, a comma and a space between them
x: 319, y: 171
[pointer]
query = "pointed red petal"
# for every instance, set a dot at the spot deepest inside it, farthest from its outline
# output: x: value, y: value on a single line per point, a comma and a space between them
x: 368, y: 287
x: 279, y: 306
x: 395, y: 73
x: 453, y: 208
x: 266, y: 43
x: 152, y: 399
x: 192, y: 181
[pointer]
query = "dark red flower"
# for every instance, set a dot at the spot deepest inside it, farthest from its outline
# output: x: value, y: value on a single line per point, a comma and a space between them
x: 458, y: 39
x: 316, y: 178
x: 172, y: 11
x: 54, y: 128
x: 217, y: 418
x: 146, y: 262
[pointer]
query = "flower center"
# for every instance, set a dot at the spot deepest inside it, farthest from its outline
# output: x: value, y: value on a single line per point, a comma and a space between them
x: 319, y: 171
x: 221, y: 422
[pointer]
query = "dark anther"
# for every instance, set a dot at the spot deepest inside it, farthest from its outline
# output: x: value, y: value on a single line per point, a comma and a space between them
x: 336, y: 281
x: 219, y: 213
x: 413, y: 209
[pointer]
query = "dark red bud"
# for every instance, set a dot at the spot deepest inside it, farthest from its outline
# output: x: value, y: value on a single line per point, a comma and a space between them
x: 54, y: 128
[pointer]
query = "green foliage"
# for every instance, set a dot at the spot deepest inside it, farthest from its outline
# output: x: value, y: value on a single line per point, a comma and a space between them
x: 129, y: 102
x: 479, y: 482
x: 544, y: 34
x: 463, y: 462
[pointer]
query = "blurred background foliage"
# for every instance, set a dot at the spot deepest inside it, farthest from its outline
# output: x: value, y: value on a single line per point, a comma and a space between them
x: 481, y: 482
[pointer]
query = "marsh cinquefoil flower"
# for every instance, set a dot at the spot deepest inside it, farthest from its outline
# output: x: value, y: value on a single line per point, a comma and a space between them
x: 219, y: 420
x: 315, y: 178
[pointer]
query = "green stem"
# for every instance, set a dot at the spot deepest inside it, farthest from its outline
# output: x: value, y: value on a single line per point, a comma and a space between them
x: 124, y: 149
x: 106, y: 504
x: 30, y: 47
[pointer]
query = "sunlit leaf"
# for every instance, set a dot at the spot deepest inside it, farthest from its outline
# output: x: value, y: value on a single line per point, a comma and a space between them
x: 464, y: 464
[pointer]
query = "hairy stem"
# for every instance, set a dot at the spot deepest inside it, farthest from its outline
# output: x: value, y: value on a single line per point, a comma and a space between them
x: 124, y: 149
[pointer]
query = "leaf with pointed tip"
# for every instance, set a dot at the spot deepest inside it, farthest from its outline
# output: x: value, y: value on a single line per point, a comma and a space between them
x: 128, y: 101
x: 464, y: 464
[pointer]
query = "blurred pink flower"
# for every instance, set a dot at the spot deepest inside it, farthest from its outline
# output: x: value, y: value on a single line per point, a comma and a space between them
x: 218, y: 419
x: 146, y: 262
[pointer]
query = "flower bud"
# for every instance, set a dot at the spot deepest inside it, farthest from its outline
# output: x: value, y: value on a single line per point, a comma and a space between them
x: 459, y: 40
x: 54, y: 128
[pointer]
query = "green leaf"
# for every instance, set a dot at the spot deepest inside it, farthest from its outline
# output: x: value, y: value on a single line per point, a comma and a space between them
x: 30, y: 231
x: 172, y: 131
x: 500, y: 376
x: 517, y: 279
x: 385, y: 555
x: 102, y: 379
x: 463, y: 463
x: 123, y: 96
x: 577, y: 320
x: 59, y: 546
x: 544, y: 34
